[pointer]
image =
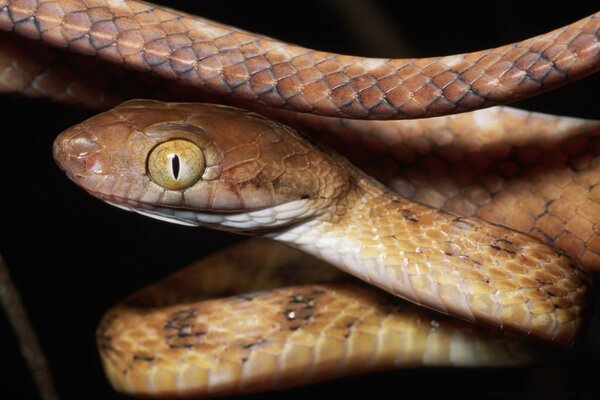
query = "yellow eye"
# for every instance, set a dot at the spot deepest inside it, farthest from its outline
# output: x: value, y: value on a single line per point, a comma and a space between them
x: 176, y: 164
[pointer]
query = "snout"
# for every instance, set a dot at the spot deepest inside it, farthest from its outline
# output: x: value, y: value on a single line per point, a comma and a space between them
x: 79, y: 153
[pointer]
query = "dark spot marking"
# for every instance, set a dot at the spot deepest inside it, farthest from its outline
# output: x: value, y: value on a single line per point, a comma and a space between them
x: 301, y: 307
x: 186, y: 331
x: 183, y: 315
x: 181, y: 346
x: 306, y: 301
x: 503, y: 245
x: 143, y: 357
x: 182, y: 331
x: 257, y: 343
x: 409, y: 216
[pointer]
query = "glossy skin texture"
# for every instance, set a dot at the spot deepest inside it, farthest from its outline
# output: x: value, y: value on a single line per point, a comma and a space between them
x: 325, y: 206
x: 583, y: 232
x: 531, y: 172
x: 277, y: 327
x: 251, y: 164
x: 242, y: 65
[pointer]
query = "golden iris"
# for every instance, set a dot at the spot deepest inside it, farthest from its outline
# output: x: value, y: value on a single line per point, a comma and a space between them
x: 176, y: 164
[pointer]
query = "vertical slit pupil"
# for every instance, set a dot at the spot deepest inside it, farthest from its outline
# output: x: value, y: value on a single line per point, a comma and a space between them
x: 175, y: 165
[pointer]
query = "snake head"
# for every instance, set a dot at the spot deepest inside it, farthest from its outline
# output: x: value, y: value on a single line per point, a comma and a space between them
x: 199, y: 164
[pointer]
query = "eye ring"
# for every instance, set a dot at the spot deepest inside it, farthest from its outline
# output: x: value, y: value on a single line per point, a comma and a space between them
x: 176, y: 164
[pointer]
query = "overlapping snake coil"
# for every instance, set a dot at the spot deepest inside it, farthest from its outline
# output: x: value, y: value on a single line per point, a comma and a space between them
x: 230, y: 169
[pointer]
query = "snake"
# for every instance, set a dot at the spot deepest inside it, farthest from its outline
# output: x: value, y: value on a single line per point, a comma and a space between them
x: 369, y: 197
x: 180, y: 162
x: 294, y: 321
x: 228, y: 61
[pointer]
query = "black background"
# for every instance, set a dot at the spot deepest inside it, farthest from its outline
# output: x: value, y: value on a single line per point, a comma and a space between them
x: 73, y: 256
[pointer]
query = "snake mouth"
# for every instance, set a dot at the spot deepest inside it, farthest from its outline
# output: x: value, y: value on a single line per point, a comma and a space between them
x: 244, y: 221
x: 177, y: 215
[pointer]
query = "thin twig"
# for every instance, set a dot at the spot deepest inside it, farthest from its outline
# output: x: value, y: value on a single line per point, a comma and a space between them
x: 30, y: 348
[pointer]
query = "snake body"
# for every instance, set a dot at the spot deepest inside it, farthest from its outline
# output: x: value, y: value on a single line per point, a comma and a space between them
x: 278, y: 328
x: 531, y: 172
x: 246, y: 66
x: 261, y: 177
x: 461, y: 266
x: 419, y: 154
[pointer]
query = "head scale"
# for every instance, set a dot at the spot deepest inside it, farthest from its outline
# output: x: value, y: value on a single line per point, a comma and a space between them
x: 200, y: 164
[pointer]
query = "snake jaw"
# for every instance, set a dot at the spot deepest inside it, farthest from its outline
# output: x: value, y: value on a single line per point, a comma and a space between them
x: 256, y: 173
x: 254, y: 221
x: 266, y: 179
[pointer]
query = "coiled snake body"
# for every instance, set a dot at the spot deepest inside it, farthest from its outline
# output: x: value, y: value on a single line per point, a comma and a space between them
x: 181, y: 162
x: 265, y: 178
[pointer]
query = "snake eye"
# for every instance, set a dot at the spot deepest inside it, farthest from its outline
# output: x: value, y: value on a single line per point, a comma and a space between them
x: 176, y: 164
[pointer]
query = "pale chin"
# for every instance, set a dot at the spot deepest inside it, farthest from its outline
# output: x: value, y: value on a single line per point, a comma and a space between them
x: 272, y: 217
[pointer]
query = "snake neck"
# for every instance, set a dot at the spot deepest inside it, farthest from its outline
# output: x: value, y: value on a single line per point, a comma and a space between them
x: 362, y: 233
x: 456, y: 265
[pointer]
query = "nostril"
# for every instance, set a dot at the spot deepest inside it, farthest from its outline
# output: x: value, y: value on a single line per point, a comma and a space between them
x: 93, y: 163
x: 78, y: 153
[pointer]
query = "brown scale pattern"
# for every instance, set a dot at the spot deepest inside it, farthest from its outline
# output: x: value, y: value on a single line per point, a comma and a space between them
x: 579, y: 163
x: 33, y: 70
x: 458, y: 265
x: 36, y: 71
x: 252, y: 163
x: 279, y: 338
x: 242, y: 65
x: 531, y: 172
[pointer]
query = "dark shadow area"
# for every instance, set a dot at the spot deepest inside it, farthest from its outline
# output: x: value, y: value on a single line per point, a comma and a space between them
x: 73, y: 256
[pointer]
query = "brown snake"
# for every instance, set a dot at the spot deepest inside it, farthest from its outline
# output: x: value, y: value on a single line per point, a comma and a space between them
x: 228, y: 61
x: 578, y: 254
x: 241, y: 172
